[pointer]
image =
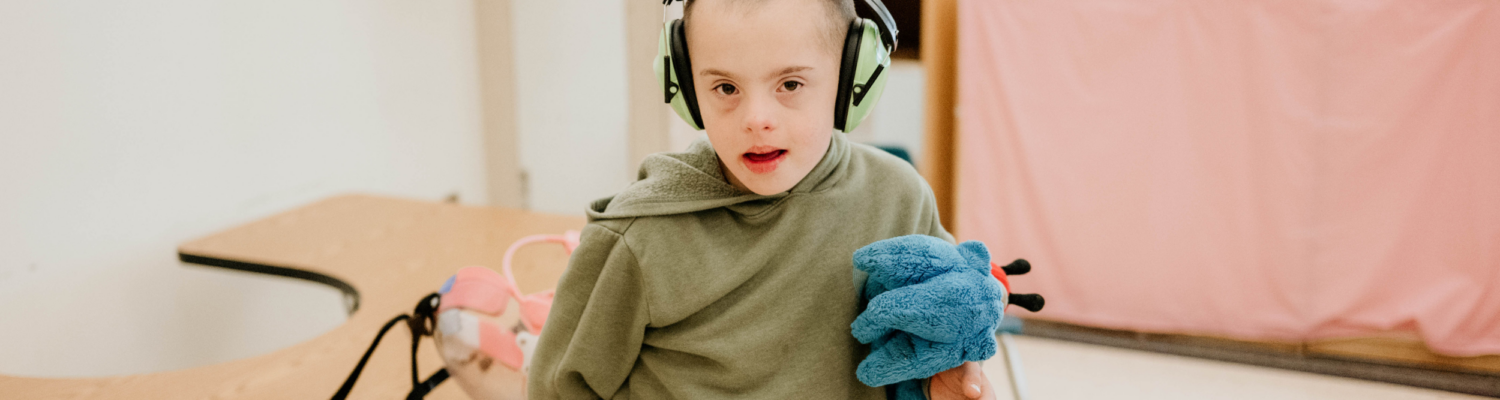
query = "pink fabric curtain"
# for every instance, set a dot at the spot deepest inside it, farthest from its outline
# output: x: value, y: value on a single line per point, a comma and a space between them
x: 1267, y: 170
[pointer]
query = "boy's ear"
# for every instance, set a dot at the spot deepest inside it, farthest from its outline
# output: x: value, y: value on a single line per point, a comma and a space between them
x: 975, y: 254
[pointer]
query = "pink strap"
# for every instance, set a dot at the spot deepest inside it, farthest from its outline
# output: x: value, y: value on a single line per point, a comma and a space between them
x: 534, y: 308
x: 500, y: 344
x: 476, y: 288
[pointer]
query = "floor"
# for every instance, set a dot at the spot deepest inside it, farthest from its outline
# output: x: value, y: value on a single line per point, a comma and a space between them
x: 1061, y: 370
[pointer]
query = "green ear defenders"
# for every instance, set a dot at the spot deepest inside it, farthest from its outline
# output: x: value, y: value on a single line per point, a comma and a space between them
x: 866, y: 54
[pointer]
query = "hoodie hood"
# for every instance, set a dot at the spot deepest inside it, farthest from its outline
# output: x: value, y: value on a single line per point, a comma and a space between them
x: 691, y: 181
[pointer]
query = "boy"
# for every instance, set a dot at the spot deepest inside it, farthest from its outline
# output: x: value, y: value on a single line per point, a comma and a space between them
x: 726, y: 270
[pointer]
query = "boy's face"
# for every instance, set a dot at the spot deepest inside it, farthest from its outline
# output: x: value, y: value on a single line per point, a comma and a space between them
x: 766, y: 81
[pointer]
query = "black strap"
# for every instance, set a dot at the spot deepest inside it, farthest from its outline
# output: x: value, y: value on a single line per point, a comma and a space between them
x: 421, y: 323
x: 420, y: 391
x: 358, y: 368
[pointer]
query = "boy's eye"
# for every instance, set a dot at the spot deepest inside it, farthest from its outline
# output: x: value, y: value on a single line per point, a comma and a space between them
x: 791, y: 85
x: 726, y: 89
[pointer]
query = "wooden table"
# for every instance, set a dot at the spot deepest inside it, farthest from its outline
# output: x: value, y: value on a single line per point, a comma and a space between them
x: 385, y: 254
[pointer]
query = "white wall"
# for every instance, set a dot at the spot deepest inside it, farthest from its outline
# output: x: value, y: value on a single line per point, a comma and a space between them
x: 571, y: 101
x: 129, y: 127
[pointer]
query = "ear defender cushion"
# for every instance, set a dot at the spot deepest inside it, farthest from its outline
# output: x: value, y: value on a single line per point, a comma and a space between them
x: 673, y: 71
x: 847, y: 63
x: 861, y: 74
x: 682, y: 69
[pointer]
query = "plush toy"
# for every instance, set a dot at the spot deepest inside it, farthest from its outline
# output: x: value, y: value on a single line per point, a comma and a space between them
x: 931, y: 307
x: 487, y: 329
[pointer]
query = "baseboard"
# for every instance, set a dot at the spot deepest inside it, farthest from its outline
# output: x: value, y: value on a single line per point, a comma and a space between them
x: 1384, y: 359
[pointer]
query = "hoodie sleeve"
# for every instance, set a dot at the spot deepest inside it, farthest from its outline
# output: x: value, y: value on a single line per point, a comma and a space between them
x: 593, y: 333
x: 930, y: 213
x: 936, y: 229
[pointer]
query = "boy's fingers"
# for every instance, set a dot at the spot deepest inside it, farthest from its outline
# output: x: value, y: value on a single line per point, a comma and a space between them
x: 973, y: 380
x: 961, y: 381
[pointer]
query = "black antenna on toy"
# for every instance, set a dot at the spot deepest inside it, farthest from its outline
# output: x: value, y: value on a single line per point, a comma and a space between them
x: 1018, y: 267
x: 1029, y: 301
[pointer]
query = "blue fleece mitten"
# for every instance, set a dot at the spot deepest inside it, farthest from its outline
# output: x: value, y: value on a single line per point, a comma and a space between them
x: 932, y: 306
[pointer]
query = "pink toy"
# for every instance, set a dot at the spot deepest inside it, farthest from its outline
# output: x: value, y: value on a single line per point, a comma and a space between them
x: 483, y: 317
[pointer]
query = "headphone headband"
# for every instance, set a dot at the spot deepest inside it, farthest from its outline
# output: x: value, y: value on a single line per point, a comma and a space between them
x: 883, y: 20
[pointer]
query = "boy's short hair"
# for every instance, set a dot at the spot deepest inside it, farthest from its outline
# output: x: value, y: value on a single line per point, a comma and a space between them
x: 840, y: 13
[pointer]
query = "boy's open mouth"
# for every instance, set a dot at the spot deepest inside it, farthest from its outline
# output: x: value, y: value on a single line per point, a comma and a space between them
x: 762, y: 159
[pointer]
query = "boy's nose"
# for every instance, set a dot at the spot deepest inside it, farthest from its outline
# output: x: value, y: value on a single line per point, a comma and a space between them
x: 760, y: 115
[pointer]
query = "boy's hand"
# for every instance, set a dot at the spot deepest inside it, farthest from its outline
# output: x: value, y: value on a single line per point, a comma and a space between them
x: 966, y: 381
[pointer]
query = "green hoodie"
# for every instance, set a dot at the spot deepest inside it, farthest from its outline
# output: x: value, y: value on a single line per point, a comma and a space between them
x: 686, y: 287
